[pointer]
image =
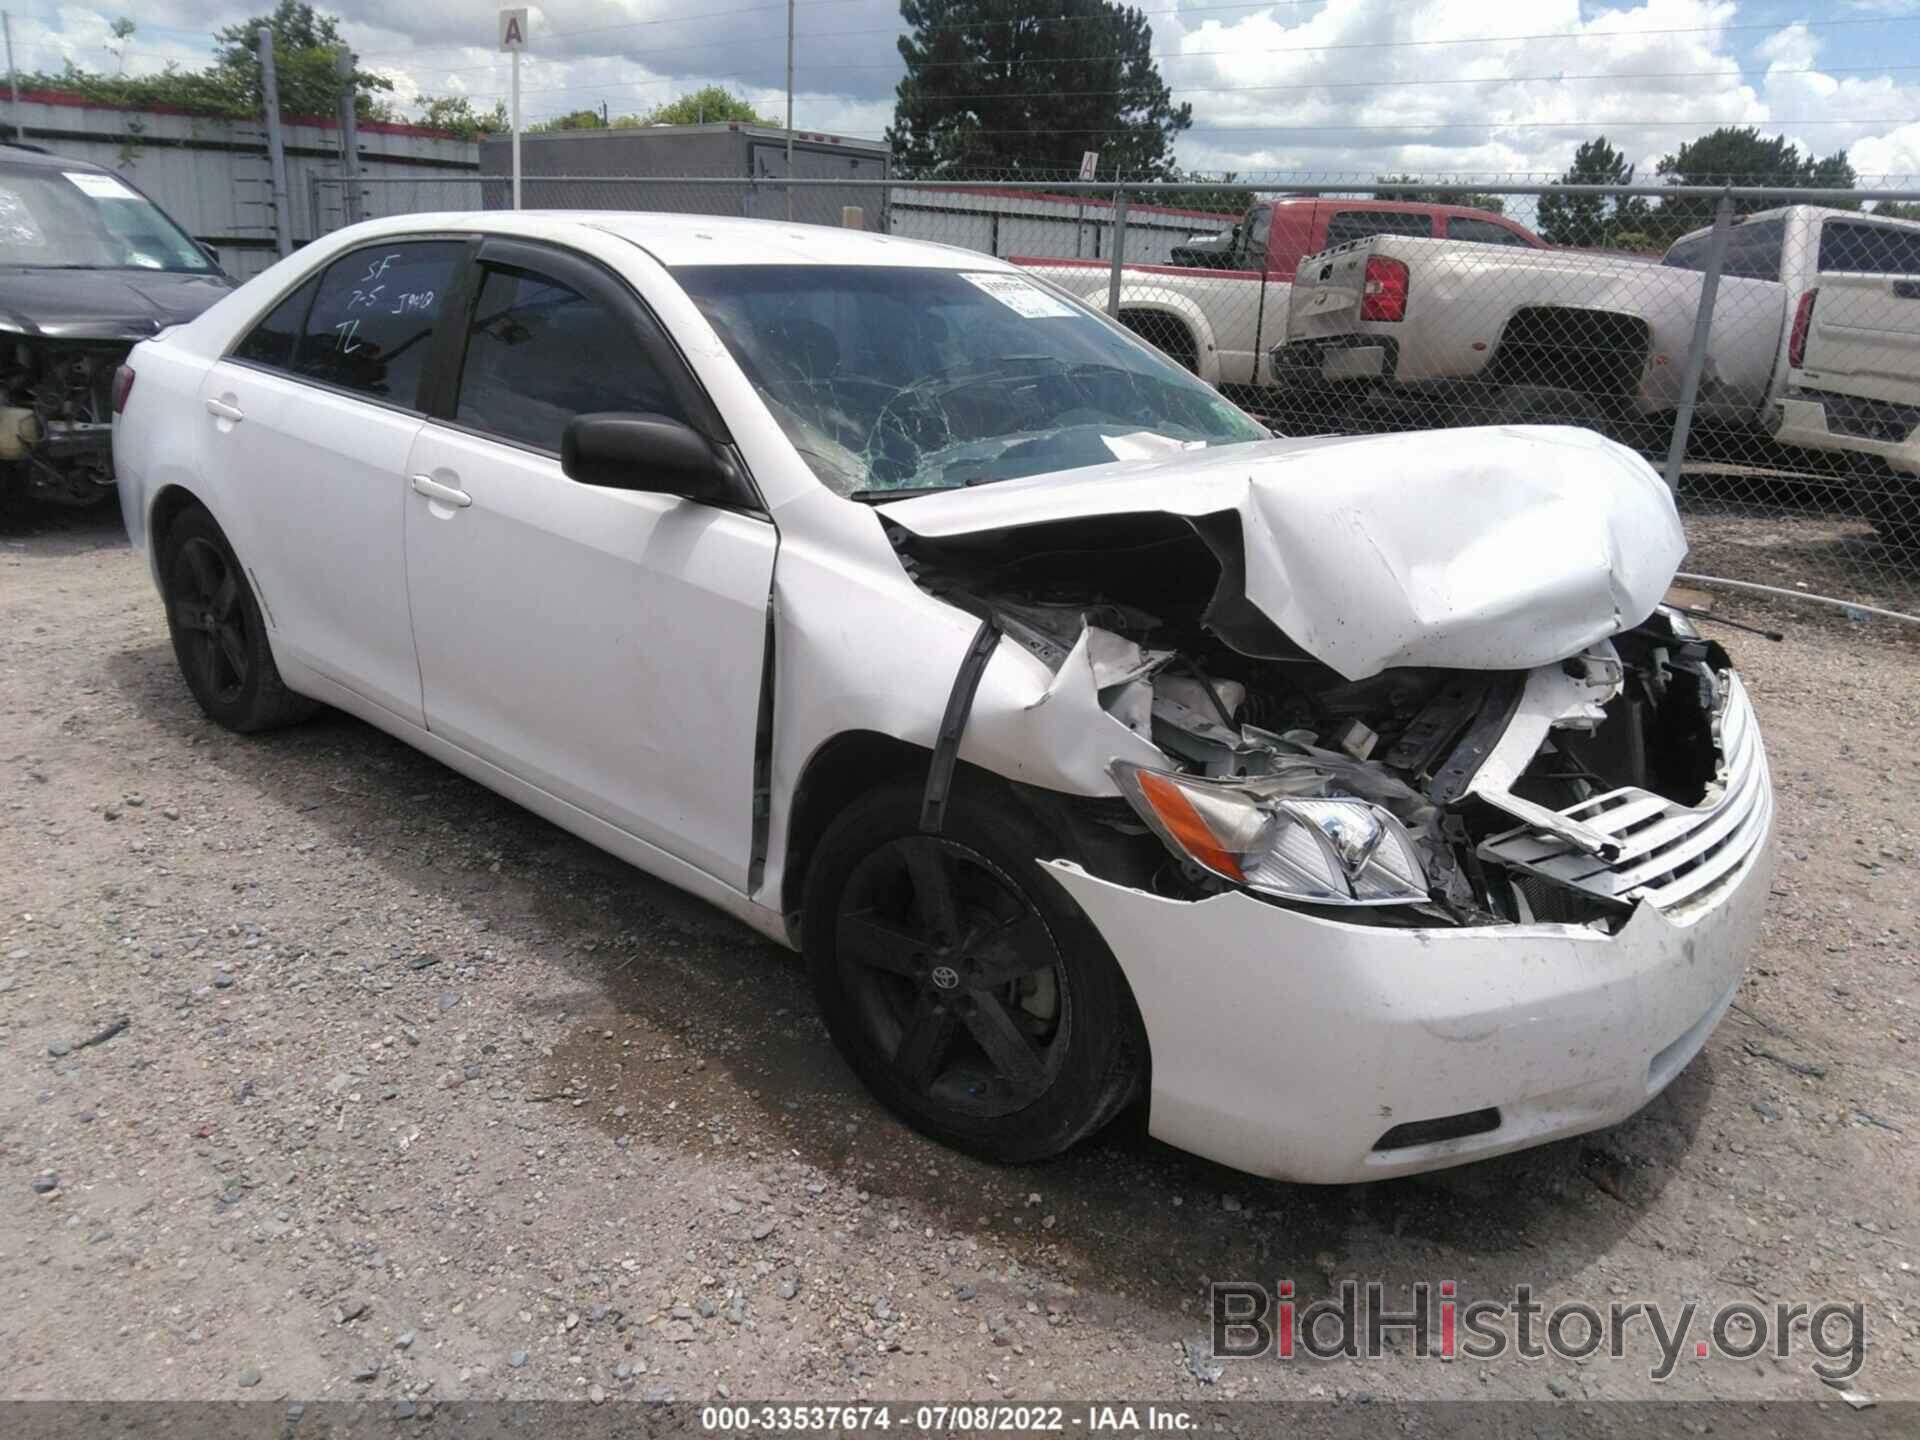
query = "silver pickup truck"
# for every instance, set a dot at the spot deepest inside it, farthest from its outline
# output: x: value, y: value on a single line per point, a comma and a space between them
x: 1815, y: 336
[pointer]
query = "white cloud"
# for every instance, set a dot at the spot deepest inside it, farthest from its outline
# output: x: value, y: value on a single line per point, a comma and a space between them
x: 1349, y: 86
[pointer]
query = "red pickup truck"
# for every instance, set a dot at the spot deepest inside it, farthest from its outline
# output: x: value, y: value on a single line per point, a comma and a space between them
x: 1221, y: 320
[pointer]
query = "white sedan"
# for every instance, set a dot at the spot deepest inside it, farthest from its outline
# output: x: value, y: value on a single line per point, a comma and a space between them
x: 1354, y: 804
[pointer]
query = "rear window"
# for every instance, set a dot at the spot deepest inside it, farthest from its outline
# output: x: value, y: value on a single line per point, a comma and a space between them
x: 1865, y: 249
x: 1753, y: 251
x: 371, y: 321
x: 1481, y: 232
x: 1350, y: 225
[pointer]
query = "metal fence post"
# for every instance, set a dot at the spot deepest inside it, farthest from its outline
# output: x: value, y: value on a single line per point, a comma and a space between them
x: 1119, y: 251
x: 349, y: 137
x: 276, y: 151
x: 1702, y: 332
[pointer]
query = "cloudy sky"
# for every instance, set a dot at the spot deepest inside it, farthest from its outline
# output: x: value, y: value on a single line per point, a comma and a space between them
x: 1363, y: 86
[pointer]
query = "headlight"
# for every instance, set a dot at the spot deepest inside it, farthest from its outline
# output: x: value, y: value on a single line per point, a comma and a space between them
x: 1326, y: 851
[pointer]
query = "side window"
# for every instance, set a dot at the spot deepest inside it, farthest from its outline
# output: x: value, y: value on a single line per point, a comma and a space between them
x: 1347, y: 225
x: 273, y: 340
x: 1753, y: 250
x: 1868, y: 249
x: 371, y: 324
x: 1253, y: 239
x: 1688, y: 254
x: 539, y: 352
x: 1481, y: 232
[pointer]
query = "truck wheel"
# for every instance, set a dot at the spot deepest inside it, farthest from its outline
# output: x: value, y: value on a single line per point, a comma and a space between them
x: 1548, y: 405
x: 1166, y: 335
x: 962, y: 985
x: 219, y: 637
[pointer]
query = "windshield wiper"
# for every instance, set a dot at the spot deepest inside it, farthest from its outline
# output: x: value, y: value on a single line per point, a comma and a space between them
x: 898, y: 492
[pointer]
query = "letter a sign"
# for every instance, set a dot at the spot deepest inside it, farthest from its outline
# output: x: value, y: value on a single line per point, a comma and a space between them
x: 513, y: 29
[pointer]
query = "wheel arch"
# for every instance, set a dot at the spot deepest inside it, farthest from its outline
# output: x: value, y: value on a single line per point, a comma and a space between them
x: 853, y: 762
x: 1147, y: 302
x: 840, y: 768
x: 1570, y: 347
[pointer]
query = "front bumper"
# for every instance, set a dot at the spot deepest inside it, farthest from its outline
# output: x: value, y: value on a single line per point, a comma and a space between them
x: 1288, y: 1046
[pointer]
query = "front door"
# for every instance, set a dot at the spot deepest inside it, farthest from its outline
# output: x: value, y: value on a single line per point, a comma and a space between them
x: 605, y: 645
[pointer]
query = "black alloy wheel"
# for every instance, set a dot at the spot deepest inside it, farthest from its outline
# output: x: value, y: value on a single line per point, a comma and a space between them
x: 954, y: 976
x: 219, y: 636
x: 960, y: 980
x: 203, y: 601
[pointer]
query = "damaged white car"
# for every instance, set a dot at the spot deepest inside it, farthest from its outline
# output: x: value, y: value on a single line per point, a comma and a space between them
x: 1354, y: 804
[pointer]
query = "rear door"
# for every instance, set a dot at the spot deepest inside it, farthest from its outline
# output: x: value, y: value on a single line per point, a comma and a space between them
x: 1864, y: 335
x: 311, y: 418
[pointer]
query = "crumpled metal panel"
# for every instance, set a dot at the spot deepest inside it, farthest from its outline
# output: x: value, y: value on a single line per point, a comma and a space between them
x: 1668, y: 854
x: 1477, y: 549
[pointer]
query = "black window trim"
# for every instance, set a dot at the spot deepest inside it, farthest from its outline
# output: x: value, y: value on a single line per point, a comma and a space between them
x: 318, y: 272
x: 594, y: 280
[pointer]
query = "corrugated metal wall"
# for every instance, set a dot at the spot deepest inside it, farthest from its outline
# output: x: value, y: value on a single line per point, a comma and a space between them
x: 212, y: 176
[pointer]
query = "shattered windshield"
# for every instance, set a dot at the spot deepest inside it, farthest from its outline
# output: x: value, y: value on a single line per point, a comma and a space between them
x: 899, y: 379
x: 87, y: 220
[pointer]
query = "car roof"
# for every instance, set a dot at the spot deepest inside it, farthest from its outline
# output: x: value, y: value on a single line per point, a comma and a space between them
x: 1812, y: 212
x: 677, y: 239
x: 32, y: 157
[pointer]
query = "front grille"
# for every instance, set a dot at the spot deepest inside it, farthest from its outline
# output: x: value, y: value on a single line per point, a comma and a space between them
x: 1670, y: 854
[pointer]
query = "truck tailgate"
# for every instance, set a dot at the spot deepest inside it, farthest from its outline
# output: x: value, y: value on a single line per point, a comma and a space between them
x: 1327, y: 291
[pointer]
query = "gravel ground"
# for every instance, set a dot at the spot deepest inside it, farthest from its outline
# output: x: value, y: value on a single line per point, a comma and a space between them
x: 414, y: 1095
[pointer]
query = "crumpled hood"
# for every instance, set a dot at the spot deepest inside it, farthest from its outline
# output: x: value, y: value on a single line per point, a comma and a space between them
x: 1484, y: 549
x: 104, y: 304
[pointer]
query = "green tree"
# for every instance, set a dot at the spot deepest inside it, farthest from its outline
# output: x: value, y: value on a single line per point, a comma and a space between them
x: 456, y: 113
x: 1590, y: 219
x: 1898, y: 210
x: 996, y: 85
x: 305, y: 43
x: 708, y: 106
x: 1235, y: 202
x: 572, y: 120
x: 1743, y: 156
x: 1409, y: 188
x: 122, y: 31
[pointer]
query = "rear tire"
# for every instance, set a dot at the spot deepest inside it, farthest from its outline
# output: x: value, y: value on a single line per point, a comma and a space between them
x: 219, y: 636
x: 937, y: 960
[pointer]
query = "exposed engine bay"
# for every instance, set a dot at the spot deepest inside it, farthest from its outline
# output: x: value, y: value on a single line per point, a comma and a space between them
x: 1414, y: 796
x: 56, y: 418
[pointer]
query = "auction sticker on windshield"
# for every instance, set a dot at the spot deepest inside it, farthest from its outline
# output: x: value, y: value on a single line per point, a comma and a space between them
x: 1021, y: 296
x: 100, y: 187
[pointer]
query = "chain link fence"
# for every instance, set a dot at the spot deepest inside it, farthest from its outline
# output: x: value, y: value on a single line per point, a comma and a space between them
x: 1762, y: 347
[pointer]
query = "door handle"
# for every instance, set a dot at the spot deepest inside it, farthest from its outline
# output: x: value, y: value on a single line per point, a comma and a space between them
x: 224, y: 410
x: 446, y: 494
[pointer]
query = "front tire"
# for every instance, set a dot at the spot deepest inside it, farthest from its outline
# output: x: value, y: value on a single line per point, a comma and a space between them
x: 219, y: 637
x: 962, y: 985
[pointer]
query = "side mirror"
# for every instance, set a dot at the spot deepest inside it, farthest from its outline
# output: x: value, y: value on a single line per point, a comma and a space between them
x: 627, y: 451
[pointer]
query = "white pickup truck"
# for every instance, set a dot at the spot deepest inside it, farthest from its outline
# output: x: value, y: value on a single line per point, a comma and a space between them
x: 1222, y: 318
x: 1815, y: 336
